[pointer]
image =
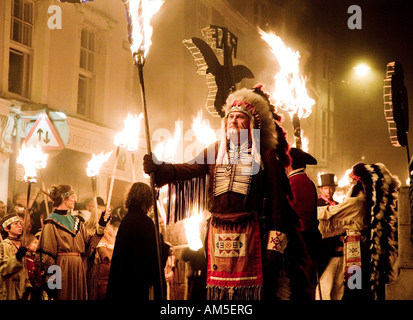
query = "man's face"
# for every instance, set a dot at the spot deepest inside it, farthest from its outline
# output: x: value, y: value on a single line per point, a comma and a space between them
x: 237, y: 121
x: 328, y: 191
x: 15, y: 229
x: 70, y: 201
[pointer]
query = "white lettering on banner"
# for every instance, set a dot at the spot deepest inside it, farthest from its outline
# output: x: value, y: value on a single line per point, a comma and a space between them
x: 88, y: 143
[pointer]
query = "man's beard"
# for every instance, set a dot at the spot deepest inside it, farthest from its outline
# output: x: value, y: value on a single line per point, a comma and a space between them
x: 237, y: 136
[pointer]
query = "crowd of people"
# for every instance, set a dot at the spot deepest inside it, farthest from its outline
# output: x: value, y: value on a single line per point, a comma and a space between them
x: 272, y: 233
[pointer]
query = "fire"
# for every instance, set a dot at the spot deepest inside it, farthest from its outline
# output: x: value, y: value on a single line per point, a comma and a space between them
x: 193, y: 235
x: 31, y: 158
x: 166, y: 150
x: 139, y: 14
x: 345, y: 180
x: 203, y: 132
x: 290, y: 91
x: 130, y: 135
x: 95, y: 163
x: 304, y: 143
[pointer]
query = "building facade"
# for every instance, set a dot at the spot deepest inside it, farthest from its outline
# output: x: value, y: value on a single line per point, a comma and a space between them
x: 75, y: 59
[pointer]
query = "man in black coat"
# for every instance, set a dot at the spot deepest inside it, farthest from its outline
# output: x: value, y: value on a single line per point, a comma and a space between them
x: 134, y: 272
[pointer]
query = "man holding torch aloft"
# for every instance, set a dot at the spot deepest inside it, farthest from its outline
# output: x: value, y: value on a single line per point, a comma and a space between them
x: 253, y: 249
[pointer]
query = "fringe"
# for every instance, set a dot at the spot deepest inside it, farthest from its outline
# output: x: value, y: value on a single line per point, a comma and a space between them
x: 234, y: 293
x: 186, y: 198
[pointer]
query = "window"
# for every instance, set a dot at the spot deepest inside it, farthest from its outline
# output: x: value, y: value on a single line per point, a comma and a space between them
x: 21, y: 51
x: 86, y: 83
x: 203, y: 16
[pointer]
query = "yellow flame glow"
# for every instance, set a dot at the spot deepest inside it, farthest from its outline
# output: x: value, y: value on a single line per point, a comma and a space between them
x: 345, y: 180
x: 290, y: 93
x: 193, y: 235
x: 140, y: 13
x: 130, y: 135
x: 31, y: 158
x: 203, y: 131
x: 95, y: 163
x: 166, y: 150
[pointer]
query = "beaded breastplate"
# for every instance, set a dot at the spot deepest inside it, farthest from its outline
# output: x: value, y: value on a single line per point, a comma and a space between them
x: 236, y: 171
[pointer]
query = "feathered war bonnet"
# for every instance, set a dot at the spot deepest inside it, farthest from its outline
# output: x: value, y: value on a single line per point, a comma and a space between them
x: 256, y: 105
x: 381, y: 190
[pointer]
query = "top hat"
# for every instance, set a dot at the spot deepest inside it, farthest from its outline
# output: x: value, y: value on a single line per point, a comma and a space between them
x: 327, y: 179
x: 300, y: 158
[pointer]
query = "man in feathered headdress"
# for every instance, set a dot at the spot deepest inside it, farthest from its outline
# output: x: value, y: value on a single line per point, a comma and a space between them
x: 252, y: 234
x: 368, y: 217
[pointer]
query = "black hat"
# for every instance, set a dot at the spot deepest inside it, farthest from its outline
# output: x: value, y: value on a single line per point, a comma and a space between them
x: 327, y: 179
x: 300, y: 158
x: 100, y: 201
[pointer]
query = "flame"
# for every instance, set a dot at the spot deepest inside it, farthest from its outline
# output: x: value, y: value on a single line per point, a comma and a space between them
x: 139, y: 14
x: 130, y: 135
x: 290, y: 91
x: 31, y: 158
x: 166, y: 150
x: 95, y: 163
x: 305, y: 142
x: 203, y: 132
x: 193, y: 235
x: 345, y: 180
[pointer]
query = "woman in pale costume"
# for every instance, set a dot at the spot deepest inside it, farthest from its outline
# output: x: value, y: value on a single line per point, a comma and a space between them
x: 65, y: 242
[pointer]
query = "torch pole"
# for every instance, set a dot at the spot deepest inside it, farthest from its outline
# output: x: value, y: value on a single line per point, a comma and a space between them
x: 297, y: 131
x: 26, y: 214
x: 45, y: 197
x: 140, y: 60
x: 112, y: 180
x: 94, y: 181
x: 133, y: 166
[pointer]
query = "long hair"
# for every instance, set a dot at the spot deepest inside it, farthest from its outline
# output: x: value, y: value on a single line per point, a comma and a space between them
x: 381, y: 190
x: 139, y: 197
x: 57, y: 194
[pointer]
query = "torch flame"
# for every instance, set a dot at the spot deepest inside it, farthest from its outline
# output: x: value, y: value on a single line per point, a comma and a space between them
x: 95, y: 163
x: 193, y: 235
x: 345, y: 180
x: 31, y: 158
x: 130, y: 135
x: 290, y: 92
x: 166, y: 150
x: 203, y: 132
x: 139, y: 14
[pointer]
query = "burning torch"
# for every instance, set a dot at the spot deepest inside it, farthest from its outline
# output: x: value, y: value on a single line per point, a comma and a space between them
x: 128, y: 137
x: 290, y: 91
x: 92, y: 171
x: 31, y: 158
x: 139, y: 14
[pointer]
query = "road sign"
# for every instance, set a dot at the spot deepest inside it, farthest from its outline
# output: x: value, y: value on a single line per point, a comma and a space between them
x: 44, y: 134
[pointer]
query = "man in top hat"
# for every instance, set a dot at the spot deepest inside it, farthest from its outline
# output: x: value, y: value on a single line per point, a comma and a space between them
x: 327, y: 184
x: 304, y: 201
x: 13, y: 277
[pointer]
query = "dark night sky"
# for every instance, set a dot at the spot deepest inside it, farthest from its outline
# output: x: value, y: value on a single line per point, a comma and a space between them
x: 386, y: 35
